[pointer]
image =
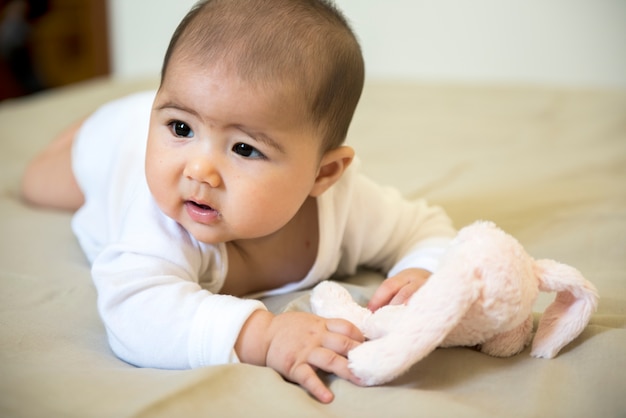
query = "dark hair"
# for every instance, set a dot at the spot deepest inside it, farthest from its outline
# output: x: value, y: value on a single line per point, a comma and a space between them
x: 305, y: 45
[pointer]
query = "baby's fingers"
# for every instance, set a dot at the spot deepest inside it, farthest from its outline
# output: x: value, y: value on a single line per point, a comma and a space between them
x: 346, y: 329
x: 385, y: 293
x: 331, y: 362
x: 340, y: 344
x: 398, y: 289
x: 305, y: 376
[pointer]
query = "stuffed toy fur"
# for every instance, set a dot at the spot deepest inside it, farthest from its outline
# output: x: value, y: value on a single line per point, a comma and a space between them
x: 482, y: 295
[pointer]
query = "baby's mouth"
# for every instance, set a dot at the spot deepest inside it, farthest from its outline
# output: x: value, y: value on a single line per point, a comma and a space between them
x: 201, y: 206
x: 202, y: 213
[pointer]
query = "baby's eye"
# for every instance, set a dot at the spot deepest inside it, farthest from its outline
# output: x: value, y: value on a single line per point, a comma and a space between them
x: 247, y: 151
x: 181, y: 129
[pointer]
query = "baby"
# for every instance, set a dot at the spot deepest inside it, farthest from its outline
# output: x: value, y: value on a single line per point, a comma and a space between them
x: 232, y: 180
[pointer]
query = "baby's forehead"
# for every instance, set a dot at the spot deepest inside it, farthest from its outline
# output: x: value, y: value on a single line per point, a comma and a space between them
x: 288, y: 87
x: 271, y: 96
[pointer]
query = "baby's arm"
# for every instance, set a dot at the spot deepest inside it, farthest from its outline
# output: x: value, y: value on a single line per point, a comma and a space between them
x: 295, y: 344
x: 156, y: 315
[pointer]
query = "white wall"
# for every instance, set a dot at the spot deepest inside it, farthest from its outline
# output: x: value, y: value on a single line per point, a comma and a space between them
x: 559, y: 42
x: 140, y: 31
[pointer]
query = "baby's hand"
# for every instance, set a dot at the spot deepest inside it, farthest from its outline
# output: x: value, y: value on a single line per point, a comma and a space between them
x: 397, y: 289
x: 296, y: 344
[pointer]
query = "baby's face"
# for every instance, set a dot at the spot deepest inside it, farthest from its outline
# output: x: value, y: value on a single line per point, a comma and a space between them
x: 225, y: 159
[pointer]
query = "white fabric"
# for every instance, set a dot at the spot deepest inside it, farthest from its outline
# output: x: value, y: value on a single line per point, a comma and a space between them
x: 157, y: 286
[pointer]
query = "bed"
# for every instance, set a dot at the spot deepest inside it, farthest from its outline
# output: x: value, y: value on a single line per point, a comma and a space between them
x: 547, y: 164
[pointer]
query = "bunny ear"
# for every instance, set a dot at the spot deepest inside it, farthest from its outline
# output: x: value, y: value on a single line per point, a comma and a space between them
x: 567, y: 316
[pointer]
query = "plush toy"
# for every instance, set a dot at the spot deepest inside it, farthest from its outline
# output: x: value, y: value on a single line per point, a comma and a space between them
x: 481, y: 294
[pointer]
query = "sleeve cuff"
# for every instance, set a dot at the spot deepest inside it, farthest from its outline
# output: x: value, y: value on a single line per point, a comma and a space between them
x: 426, y: 255
x: 216, y: 327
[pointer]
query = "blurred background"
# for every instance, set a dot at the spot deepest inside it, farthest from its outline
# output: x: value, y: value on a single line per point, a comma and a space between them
x: 51, y: 43
x: 576, y: 43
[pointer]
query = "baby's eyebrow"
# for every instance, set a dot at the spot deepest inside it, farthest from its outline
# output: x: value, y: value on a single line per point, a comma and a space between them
x: 172, y: 105
x: 261, y: 137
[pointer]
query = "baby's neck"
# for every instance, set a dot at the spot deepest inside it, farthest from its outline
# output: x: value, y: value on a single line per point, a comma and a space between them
x: 272, y: 261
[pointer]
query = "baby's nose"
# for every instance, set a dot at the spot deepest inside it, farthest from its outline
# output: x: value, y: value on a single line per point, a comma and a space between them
x: 204, y: 170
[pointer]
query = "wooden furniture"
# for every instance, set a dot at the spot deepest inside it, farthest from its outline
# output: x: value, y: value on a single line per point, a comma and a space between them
x: 66, y: 44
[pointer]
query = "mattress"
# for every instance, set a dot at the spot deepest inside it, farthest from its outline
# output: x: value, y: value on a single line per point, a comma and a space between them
x: 548, y: 165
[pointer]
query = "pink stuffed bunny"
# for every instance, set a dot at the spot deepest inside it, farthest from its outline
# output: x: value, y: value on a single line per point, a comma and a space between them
x: 481, y: 294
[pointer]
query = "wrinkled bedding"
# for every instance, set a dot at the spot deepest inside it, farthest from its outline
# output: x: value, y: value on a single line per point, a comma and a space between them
x: 547, y: 165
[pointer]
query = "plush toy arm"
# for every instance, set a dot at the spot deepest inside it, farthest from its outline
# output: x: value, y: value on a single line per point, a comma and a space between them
x: 568, y: 315
x: 331, y: 300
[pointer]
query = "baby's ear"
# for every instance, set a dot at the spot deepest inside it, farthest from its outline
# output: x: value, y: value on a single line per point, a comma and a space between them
x: 332, y: 166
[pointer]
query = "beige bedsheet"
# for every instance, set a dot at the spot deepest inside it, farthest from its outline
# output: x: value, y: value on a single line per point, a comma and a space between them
x: 548, y: 165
